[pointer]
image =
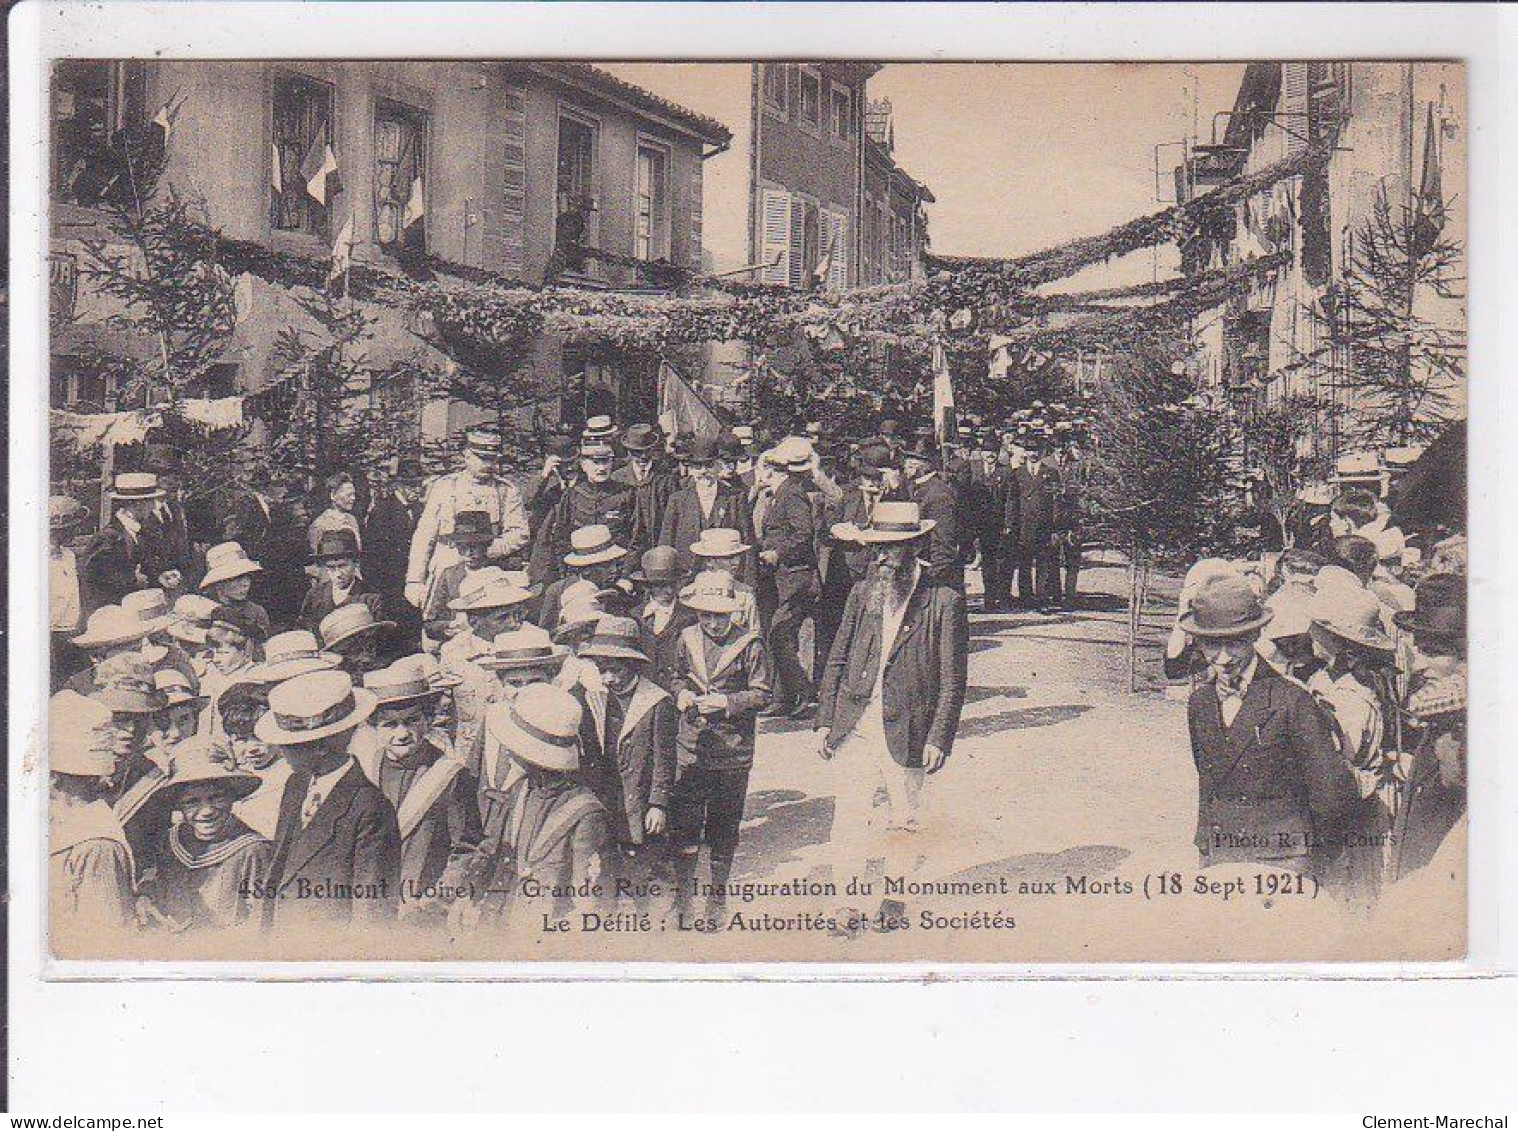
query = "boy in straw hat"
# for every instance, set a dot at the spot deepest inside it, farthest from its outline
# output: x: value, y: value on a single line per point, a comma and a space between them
x: 435, y: 796
x: 627, y: 742
x: 470, y: 539
x: 111, y: 631
x: 892, y: 690
x: 1272, y: 786
x: 90, y: 868
x: 547, y: 838
x: 723, y: 548
x: 722, y: 682
x: 211, y: 866
x: 337, y: 848
x: 517, y: 658
x: 593, y: 556
x: 353, y: 633
x: 229, y: 580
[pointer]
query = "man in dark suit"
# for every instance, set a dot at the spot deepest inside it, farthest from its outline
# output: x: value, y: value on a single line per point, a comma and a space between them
x: 172, y: 560
x: 841, y: 563
x: 1075, y: 478
x: 272, y: 532
x: 983, y: 493
x: 1273, y: 787
x: 939, y: 503
x: 119, y: 559
x: 788, y: 554
x: 894, y: 686
x: 704, y: 503
x: 1034, y: 510
x: 651, y: 482
x: 388, y: 529
x: 337, y: 846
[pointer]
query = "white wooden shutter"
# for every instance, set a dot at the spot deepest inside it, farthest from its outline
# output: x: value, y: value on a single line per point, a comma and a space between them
x: 838, y: 251
x: 776, y: 237
x: 799, y: 266
x: 1294, y: 103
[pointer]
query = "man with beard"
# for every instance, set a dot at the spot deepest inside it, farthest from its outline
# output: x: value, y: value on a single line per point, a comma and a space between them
x: 893, y: 689
x: 596, y: 499
x: 1273, y: 787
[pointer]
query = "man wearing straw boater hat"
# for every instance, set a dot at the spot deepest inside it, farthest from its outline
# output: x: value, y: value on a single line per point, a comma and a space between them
x: 892, y: 690
x: 627, y: 743
x: 476, y: 487
x: 434, y: 794
x: 1273, y: 787
x: 704, y: 502
x: 788, y: 561
x: 547, y: 838
x: 595, y: 499
x: 211, y: 866
x: 595, y: 556
x: 721, y: 547
x: 492, y: 601
x: 517, y: 658
x: 337, y: 847
x: 120, y: 558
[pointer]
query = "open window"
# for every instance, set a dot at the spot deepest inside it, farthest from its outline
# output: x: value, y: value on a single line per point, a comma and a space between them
x: 400, y: 171
x: 651, y: 233
x: 303, y: 121
x: 93, y: 102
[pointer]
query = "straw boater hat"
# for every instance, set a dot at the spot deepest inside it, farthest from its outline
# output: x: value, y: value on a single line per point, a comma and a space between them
x: 191, y: 618
x: 471, y: 526
x: 597, y: 449
x: 794, y: 453
x: 177, y: 688
x: 311, y: 707
x: 1223, y: 607
x: 642, y: 438
x: 483, y: 442
x: 1290, y: 614
x: 711, y: 591
x: 489, y: 588
x: 616, y: 638
x: 658, y: 565
x: 599, y: 428
x: 1353, y: 615
x: 111, y: 625
x: 125, y: 685
x: 351, y: 620
x: 1439, y: 607
x: 335, y: 544
x: 79, y: 737
x: 592, y: 545
x: 289, y: 654
x: 64, y: 513
x: 540, y: 726
x: 226, y: 561
x: 151, y: 606
x: 401, y: 682
x: 526, y: 647
x: 1336, y: 579
x: 198, y: 762
x: 889, y: 522
x: 133, y: 486
x: 718, y: 542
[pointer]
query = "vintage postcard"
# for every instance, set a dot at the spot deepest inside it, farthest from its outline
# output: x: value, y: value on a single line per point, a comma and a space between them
x: 775, y: 511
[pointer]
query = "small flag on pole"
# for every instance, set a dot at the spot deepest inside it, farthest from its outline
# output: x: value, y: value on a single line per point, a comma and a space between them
x: 945, y: 424
x: 277, y: 172
x: 320, y: 170
x: 342, y: 251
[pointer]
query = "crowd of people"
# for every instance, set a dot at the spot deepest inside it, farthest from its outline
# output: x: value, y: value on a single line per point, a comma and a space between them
x: 425, y: 705
x: 1328, y: 716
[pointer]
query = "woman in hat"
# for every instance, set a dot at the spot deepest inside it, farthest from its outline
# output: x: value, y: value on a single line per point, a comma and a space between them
x: 435, y: 796
x: 229, y: 580
x: 338, y: 583
x: 660, y: 614
x: 90, y: 867
x: 212, y: 867
x: 342, y: 499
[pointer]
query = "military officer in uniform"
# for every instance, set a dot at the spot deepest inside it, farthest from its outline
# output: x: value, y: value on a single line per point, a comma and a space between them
x: 595, y: 499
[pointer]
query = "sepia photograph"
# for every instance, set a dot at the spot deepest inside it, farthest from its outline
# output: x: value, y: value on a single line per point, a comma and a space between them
x: 782, y: 510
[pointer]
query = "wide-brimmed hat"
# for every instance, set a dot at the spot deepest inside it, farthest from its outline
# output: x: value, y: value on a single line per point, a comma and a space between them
x: 1354, y: 615
x: 312, y: 707
x: 136, y: 485
x: 579, y: 609
x: 642, y: 438
x: 540, y: 726
x: 111, y: 625
x: 1438, y: 608
x: 79, y: 736
x: 616, y: 638
x: 1290, y: 613
x: 700, y: 450
x: 191, y: 618
x: 658, y: 565
x: 711, y: 591
x: 1335, y: 578
x: 151, y: 606
x: 349, y: 621
x: 226, y: 561
x: 592, y: 545
x: 198, y: 761
x: 483, y: 442
x: 489, y: 588
x: 1224, y: 607
x: 125, y: 684
x: 598, y: 428
x: 401, y: 682
x: 289, y: 654
x: 890, y: 521
x: 334, y: 544
x: 526, y: 647
x: 718, y: 542
x: 64, y: 513
x: 794, y: 453
x: 471, y: 527
x: 177, y: 688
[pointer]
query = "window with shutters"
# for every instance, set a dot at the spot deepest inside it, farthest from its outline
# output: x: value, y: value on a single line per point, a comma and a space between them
x: 400, y: 147
x: 775, y: 237
x: 651, y: 228
x: 1294, y: 106
x: 836, y: 251
x: 777, y: 86
x: 302, y: 131
x: 806, y: 242
x: 577, y: 227
x: 811, y: 98
x: 843, y: 114
x: 92, y: 102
